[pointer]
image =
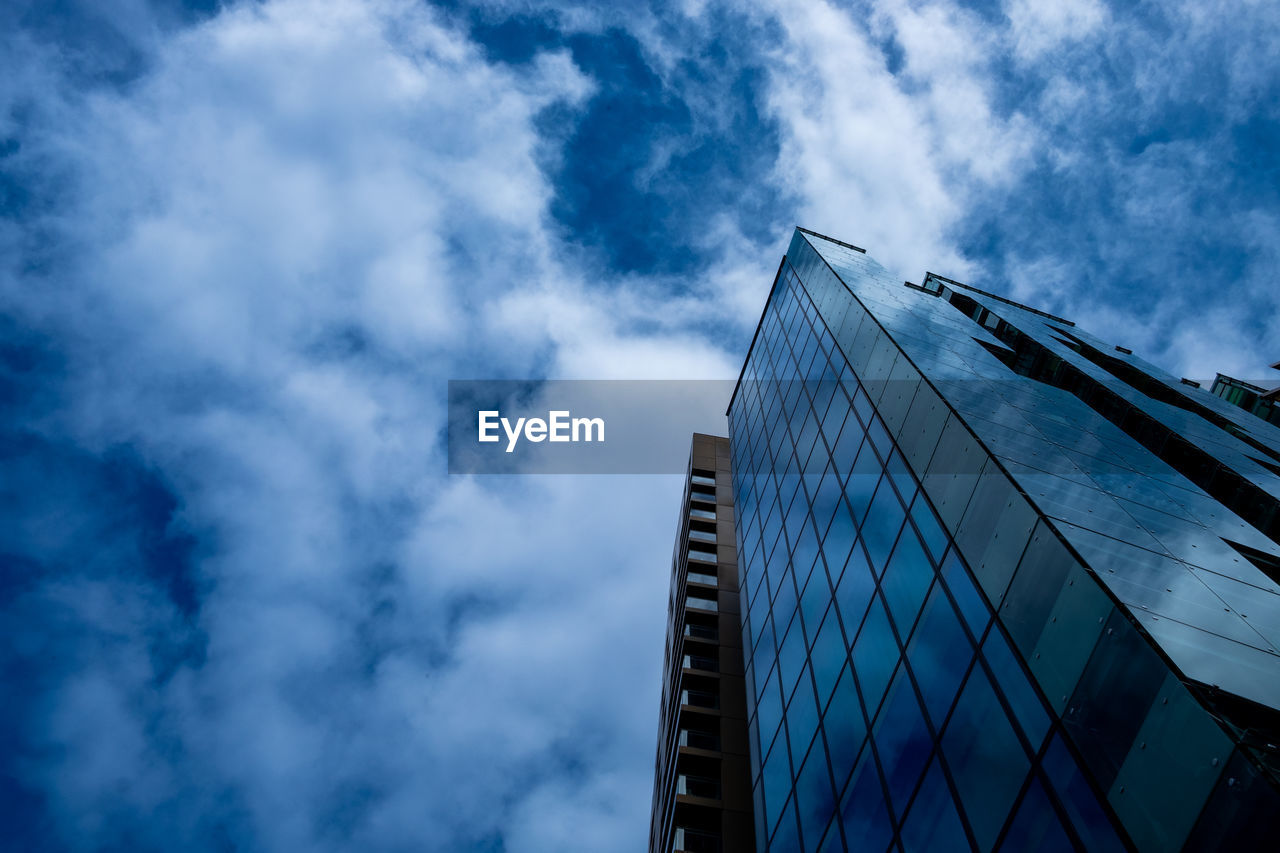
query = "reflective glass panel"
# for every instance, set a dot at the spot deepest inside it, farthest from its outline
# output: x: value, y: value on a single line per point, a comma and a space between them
x: 875, y: 654
x: 986, y: 759
x: 939, y: 654
x: 903, y: 741
x: 863, y: 812
x: 1036, y: 826
x: 844, y: 726
x: 814, y: 797
x: 933, y: 825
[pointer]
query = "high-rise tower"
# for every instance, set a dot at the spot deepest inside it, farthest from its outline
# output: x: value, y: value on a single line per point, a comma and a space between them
x: 1004, y: 586
x: 702, y: 787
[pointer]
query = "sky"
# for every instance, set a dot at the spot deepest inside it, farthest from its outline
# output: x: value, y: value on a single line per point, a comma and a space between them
x: 245, y: 245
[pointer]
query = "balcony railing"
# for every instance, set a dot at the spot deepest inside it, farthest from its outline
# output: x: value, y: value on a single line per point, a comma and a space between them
x: 699, y: 577
x: 700, y: 740
x: 702, y: 632
x: 699, y: 699
x: 701, y: 662
x: 698, y: 786
x: 706, y: 556
x: 707, y: 514
x: 693, y: 841
x: 702, y: 536
x: 706, y: 604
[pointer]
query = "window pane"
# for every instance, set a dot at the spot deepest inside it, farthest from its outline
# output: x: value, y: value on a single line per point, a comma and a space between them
x: 846, y: 449
x: 880, y: 437
x: 994, y: 533
x: 1055, y: 613
x: 797, y: 515
x: 986, y: 759
x: 1117, y: 687
x: 901, y: 476
x: 863, y: 812
x: 855, y: 590
x: 1036, y: 826
x: 839, y: 539
x: 906, y: 580
x: 776, y: 779
x: 761, y: 835
x: 785, y: 838
x: 844, y: 727
x: 828, y: 656
x: 881, y: 526
x: 933, y: 825
x: 930, y: 530
x: 826, y: 500
x: 1170, y: 771
x: 784, y: 595
x: 939, y: 654
x: 802, y: 716
x: 805, y: 550
x: 968, y: 599
x: 769, y: 711
x: 861, y: 484
x: 1087, y: 815
x: 832, y: 843
x: 1015, y: 685
x: 1242, y: 814
x: 875, y: 654
x: 815, y: 599
x: 903, y: 741
x: 756, y: 754
x: 815, y: 800
x: 765, y: 652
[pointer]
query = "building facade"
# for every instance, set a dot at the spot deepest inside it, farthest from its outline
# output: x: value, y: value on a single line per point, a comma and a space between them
x: 1003, y: 586
x: 1263, y: 402
x: 702, y: 788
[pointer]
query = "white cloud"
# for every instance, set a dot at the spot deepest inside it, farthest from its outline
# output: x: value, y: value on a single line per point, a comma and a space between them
x: 887, y: 160
x: 1041, y: 26
x: 277, y: 244
x: 297, y: 222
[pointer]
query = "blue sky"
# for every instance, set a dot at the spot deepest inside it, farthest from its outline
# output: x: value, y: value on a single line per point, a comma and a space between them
x: 243, y: 246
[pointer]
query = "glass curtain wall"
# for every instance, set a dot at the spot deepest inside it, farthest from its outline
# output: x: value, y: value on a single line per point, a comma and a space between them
x: 890, y: 707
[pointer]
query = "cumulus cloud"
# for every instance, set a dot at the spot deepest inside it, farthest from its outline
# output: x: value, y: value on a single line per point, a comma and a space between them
x: 1145, y: 208
x: 1038, y: 27
x: 265, y: 256
x: 853, y: 142
x: 244, y: 253
x: 888, y: 157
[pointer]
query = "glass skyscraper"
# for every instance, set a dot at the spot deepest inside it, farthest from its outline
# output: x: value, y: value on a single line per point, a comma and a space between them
x: 1003, y: 586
